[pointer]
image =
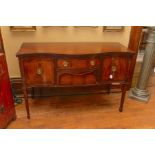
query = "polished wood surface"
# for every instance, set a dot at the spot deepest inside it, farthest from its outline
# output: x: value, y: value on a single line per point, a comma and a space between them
x: 86, y: 112
x: 38, y: 70
x: 135, y: 37
x: 121, y: 64
x: 71, y: 48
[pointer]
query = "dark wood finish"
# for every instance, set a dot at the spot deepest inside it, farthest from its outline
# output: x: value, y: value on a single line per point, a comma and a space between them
x: 121, y: 65
x: 77, y: 63
x: 71, y: 48
x: 135, y: 37
x: 81, y: 67
x: 38, y: 70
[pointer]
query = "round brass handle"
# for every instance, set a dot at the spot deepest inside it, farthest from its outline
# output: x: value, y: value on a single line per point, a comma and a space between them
x: 113, y: 70
x: 92, y: 62
x: 39, y: 71
x: 65, y: 63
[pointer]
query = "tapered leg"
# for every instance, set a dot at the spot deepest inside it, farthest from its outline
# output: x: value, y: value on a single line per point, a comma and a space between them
x: 26, y: 102
x: 109, y: 88
x: 122, y: 98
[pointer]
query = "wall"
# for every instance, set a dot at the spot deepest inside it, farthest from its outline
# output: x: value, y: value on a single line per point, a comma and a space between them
x: 13, y: 40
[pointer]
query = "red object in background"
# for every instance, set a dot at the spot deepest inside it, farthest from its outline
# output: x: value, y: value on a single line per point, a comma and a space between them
x: 7, y: 110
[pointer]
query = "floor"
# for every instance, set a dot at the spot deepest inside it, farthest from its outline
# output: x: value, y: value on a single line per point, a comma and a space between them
x: 86, y: 112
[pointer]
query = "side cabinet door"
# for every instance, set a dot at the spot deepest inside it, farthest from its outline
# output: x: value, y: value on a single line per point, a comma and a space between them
x: 38, y: 70
x: 116, y: 68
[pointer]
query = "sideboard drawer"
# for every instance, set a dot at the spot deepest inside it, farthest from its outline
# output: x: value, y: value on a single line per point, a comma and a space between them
x: 38, y: 71
x: 115, y: 68
x: 79, y: 78
x: 77, y: 63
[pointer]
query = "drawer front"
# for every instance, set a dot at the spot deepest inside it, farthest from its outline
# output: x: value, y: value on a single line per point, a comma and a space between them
x: 76, y: 79
x: 77, y: 63
x: 38, y: 71
x: 115, y: 68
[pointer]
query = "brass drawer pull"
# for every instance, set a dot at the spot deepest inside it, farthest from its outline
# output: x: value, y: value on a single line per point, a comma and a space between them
x: 39, y: 71
x: 92, y: 62
x: 113, y: 70
x: 65, y: 63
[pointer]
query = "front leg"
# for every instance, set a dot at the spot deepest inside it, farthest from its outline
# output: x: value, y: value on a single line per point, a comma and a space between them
x: 123, y: 88
x: 26, y: 102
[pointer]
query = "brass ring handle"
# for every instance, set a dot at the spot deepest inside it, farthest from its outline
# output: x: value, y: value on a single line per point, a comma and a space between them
x: 65, y: 63
x: 113, y: 68
x: 39, y: 71
x: 92, y: 62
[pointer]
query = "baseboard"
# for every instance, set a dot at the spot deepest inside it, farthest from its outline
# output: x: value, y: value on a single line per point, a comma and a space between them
x: 17, y: 86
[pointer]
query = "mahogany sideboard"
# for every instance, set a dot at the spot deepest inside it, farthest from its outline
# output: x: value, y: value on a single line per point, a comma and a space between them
x: 82, y: 66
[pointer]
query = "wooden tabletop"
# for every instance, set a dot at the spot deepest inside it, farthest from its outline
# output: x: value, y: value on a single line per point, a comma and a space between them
x: 71, y: 48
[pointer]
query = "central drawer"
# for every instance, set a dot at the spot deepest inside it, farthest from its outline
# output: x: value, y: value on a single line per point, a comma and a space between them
x: 77, y: 71
x: 74, y: 63
x: 73, y: 78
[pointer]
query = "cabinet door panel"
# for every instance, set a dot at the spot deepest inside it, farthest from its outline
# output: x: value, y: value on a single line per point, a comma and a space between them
x: 115, y: 68
x: 38, y: 71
